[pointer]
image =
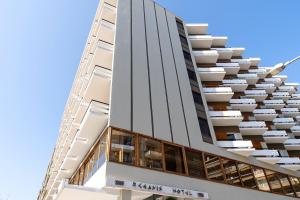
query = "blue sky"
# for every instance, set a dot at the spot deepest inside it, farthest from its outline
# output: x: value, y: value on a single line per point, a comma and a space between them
x: 40, y: 47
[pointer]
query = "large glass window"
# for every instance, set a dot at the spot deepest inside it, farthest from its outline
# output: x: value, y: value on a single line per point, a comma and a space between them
x: 122, y: 147
x: 261, y: 180
x: 195, y: 163
x: 286, y: 186
x: 274, y: 181
x: 174, y: 159
x: 247, y: 175
x: 213, y: 167
x: 150, y: 153
x: 296, y: 185
x: 231, y: 172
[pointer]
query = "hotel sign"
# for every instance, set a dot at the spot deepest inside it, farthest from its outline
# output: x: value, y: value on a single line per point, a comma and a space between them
x: 156, y: 189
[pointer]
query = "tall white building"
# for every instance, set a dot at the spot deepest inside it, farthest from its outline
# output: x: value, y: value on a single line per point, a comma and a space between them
x: 160, y: 110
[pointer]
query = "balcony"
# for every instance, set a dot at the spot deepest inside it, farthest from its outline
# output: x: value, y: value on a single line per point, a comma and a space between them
x: 230, y: 68
x: 258, y: 95
x: 265, y: 114
x: 218, y: 94
x: 296, y: 130
x: 295, y: 96
x: 275, y: 137
x: 254, y: 61
x: 211, y: 73
x: 106, y: 32
x: 276, y: 81
x: 261, y: 73
x: 282, y: 77
x: 268, y: 156
x: 290, y: 163
x: 250, y: 78
x: 298, y: 118
x: 237, y: 85
x: 219, y: 41
x: 284, y: 123
x: 253, y: 128
x: 244, y: 105
x: 225, y: 118
x: 102, y: 55
x: 206, y: 56
x: 275, y: 104
x: 241, y: 147
x: 201, y: 41
x: 224, y: 53
x: 197, y: 29
x: 289, y: 89
x: 237, y: 51
x: 295, y: 85
x: 290, y: 112
x: 281, y: 95
x: 292, y: 144
x: 244, y: 63
x: 293, y: 103
x: 269, y: 87
x: 109, y: 13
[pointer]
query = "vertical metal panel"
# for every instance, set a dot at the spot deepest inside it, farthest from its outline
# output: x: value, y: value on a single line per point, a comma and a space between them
x: 161, y: 123
x: 185, y: 88
x: 141, y: 111
x: 120, y: 105
x: 175, y: 106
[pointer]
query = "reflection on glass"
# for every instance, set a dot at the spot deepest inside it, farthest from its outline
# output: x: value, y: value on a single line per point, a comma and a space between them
x: 174, y: 159
x: 247, y: 175
x: 213, y: 167
x: 150, y: 153
x: 286, y: 186
x: 231, y: 172
x: 261, y: 180
x: 122, y: 147
x: 274, y: 181
x: 296, y: 185
x: 195, y: 163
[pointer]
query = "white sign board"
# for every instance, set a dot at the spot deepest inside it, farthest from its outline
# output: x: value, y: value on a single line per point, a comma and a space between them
x: 156, y: 189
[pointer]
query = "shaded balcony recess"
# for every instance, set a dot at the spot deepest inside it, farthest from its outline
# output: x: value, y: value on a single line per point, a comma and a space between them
x: 292, y: 144
x: 211, y: 73
x: 226, y: 118
x: 276, y: 104
x: 219, y: 41
x: 197, y: 29
x: 201, y: 41
x: 244, y: 105
x: 253, y: 128
x: 250, y: 78
x: 275, y: 136
x: 237, y: 85
x: 244, y: 63
x: 230, y: 68
x: 224, y: 53
x: 218, y: 94
x: 241, y: 147
x: 206, y: 56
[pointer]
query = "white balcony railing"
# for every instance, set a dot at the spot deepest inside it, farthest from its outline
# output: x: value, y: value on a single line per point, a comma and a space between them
x: 287, y: 88
x: 275, y: 134
x: 283, y: 120
x: 295, y: 96
x: 210, y: 69
x: 255, y: 92
x: 242, y: 101
x: 265, y: 85
x: 235, y: 144
x: 218, y: 90
x: 234, y: 81
x: 230, y: 113
x: 264, y: 111
x: 252, y: 124
x: 265, y: 153
x: 273, y: 102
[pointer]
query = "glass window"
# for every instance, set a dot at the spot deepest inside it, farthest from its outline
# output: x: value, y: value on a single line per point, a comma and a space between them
x: 261, y: 180
x: 274, y: 181
x: 150, y: 153
x: 231, y: 172
x: 213, y: 167
x: 195, y: 163
x: 296, y: 185
x: 174, y: 158
x: 204, y: 127
x: 286, y: 186
x: 247, y: 175
x: 122, y: 147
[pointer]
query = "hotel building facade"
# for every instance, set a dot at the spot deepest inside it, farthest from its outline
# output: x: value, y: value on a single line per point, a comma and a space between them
x: 162, y: 110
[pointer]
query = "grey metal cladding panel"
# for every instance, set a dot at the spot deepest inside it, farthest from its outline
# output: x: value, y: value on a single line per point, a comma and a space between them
x: 184, y: 84
x: 120, y: 105
x: 142, y: 122
x: 161, y: 123
x: 175, y: 106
